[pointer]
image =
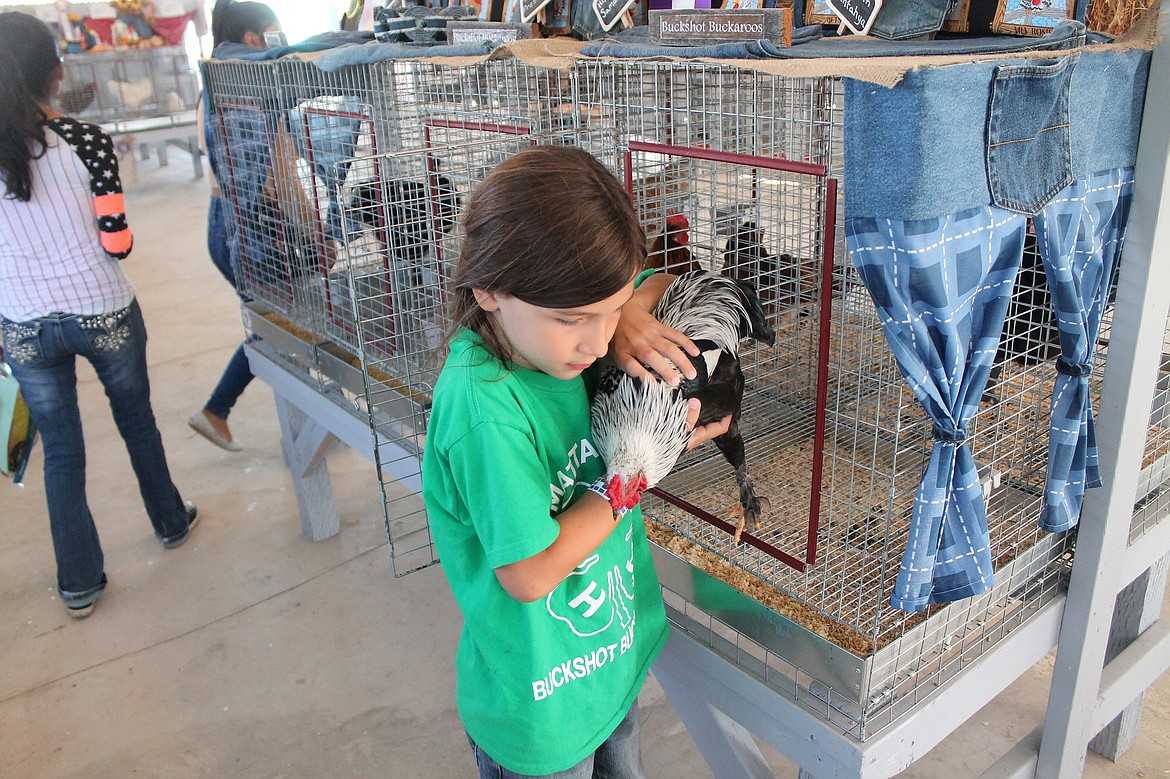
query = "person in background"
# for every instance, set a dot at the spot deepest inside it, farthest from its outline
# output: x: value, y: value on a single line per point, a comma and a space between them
x: 546, y: 574
x: 63, y: 294
x: 243, y: 23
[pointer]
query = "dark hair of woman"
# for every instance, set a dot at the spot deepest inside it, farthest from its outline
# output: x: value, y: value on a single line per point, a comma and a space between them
x: 550, y: 226
x: 231, y: 21
x: 28, y: 60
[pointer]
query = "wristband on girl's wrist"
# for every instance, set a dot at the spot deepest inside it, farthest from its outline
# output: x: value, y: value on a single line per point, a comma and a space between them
x: 599, y: 487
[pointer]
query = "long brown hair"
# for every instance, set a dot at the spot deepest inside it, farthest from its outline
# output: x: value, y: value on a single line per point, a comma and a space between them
x: 550, y: 226
x: 28, y: 58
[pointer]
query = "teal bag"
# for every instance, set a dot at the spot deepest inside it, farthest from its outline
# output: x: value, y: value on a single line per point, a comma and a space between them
x: 17, y: 431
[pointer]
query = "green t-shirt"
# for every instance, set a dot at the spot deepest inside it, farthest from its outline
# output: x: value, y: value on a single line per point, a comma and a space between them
x: 539, y: 685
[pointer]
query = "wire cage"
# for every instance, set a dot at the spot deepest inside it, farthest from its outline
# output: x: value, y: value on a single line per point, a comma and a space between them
x: 294, y: 139
x: 1152, y: 506
x: 502, y: 96
x: 110, y: 87
x: 748, y: 166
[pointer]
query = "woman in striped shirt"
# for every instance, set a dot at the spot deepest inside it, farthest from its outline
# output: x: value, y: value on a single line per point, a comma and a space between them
x: 63, y: 294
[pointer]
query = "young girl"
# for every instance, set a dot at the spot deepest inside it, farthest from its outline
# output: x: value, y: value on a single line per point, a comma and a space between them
x: 562, y: 610
x: 63, y: 294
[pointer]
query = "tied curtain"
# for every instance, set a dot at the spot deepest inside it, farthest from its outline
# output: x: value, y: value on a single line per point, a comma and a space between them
x: 1079, y: 234
x: 942, y: 173
x: 942, y: 288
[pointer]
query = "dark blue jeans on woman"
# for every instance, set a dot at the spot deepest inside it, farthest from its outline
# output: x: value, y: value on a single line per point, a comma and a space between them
x: 42, y: 353
x: 238, y: 374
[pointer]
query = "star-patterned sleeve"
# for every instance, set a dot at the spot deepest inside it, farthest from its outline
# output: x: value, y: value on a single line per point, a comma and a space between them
x: 96, y: 150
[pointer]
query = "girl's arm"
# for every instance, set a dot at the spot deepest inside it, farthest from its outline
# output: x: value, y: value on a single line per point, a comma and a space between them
x: 583, y: 527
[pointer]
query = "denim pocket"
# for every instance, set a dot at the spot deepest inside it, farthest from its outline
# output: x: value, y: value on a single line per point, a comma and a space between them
x: 109, y: 333
x: 1029, y: 155
x: 22, y: 342
x: 899, y: 19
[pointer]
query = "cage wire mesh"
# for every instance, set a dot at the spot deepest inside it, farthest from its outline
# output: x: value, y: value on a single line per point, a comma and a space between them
x: 112, y: 87
x: 745, y: 165
x: 730, y: 170
x: 294, y: 139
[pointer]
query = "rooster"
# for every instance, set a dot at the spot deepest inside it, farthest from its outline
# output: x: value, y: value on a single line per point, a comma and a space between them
x: 640, y: 428
x: 669, y: 250
x: 745, y: 257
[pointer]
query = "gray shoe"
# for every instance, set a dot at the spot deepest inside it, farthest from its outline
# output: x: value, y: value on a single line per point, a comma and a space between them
x: 198, y: 423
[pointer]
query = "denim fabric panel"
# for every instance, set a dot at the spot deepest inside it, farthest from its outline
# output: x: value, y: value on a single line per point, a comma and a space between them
x: 1106, y: 99
x: 1080, y: 236
x: 908, y: 18
x: 941, y: 287
x: 916, y: 150
x: 1029, y: 157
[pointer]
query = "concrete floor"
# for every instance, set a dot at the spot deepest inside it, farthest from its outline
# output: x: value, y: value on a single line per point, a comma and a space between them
x: 254, y: 652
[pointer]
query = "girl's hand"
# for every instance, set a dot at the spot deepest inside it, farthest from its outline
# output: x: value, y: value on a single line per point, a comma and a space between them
x: 701, y: 435
x: 642, y: 346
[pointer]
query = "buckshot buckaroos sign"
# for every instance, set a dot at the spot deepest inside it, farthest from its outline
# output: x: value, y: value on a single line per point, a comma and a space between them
x: 702, y: 28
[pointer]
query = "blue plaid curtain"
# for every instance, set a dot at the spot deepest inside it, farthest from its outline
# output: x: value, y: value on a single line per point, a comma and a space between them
x: 942, y: 287
x: 1079, y: 235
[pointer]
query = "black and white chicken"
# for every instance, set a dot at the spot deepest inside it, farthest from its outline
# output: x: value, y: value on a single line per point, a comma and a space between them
x: 402, y: 209
x: 640, y: 428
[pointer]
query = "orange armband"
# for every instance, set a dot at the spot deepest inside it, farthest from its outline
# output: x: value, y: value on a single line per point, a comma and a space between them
x: 118, y: 243
x: 108, y: 205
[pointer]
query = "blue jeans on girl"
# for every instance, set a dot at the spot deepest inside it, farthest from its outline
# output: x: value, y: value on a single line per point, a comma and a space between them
x: 619, y: 757
x: 42, y: 353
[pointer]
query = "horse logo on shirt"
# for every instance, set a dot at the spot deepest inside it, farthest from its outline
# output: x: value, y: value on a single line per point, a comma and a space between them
x: 591, y: 598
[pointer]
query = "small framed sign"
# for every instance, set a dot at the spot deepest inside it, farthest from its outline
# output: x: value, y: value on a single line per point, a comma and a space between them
x: 530, y: 8
x: 476, y: 31
x: 1030, y: 17
x: 819, y: 12
x: 857, y: 15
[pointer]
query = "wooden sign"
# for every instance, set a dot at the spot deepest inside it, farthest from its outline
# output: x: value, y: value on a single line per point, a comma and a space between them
x: 857, y: 15
x: 703, y: 28
x: 476, y: 31
x: 1030, y: 17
